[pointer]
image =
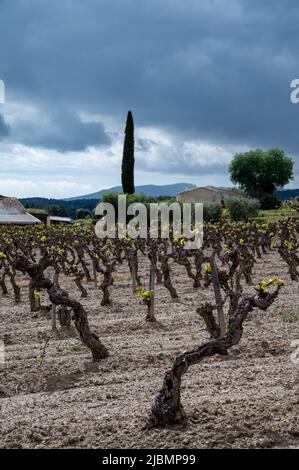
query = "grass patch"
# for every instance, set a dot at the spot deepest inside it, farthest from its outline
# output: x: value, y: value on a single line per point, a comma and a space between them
x: 76, y: 347
x: 83, y: 223
x: 289, y: 315
x: 275, y: 215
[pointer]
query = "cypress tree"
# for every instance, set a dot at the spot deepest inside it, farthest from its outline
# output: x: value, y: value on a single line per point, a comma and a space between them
x: 127, y: 168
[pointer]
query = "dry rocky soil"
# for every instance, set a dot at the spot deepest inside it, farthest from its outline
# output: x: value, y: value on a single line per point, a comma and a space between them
x: 54, y: 397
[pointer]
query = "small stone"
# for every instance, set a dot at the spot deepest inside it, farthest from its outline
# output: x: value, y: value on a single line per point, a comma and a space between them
x: 186, y: 442
x: 36, y: 437
x: 266, y: 443
x: 72, y: 441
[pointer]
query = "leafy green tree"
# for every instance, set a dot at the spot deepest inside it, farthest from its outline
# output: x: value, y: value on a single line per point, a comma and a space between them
x: 57, y: 210
x: 269, y: 201
x: 261, y: 172
x: 212, y: 212
x: 241, y: 208
x: 128, y: 161
x: 83, y: 214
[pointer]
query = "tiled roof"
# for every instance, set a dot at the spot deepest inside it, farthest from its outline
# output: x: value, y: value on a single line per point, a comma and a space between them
x: 209, y: 188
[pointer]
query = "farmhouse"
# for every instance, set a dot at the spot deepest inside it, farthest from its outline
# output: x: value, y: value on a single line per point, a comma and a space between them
x: 13, y: 213
x: 206, y: 194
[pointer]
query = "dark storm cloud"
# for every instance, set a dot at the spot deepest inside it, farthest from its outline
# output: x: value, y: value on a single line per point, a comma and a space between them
x: 218, y: 70
x: 62, y: 131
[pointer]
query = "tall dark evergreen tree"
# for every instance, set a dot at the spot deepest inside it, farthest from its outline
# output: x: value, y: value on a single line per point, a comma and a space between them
x: 127, y: 168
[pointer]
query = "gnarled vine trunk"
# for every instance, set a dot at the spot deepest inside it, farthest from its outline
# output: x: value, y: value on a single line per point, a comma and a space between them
x: 167, y: 408
x: 59, y: 297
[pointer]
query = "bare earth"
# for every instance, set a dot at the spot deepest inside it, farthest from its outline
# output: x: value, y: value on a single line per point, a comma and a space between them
x: 249, y: 400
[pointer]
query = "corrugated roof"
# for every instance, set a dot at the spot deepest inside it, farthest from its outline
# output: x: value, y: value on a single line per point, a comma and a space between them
x: 12, y: 212
x: 56, y: 218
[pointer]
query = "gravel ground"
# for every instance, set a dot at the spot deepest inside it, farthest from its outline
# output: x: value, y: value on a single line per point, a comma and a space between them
x: 248, y: 400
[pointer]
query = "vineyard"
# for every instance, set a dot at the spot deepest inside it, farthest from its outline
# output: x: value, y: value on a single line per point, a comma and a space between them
x: 143, y: 343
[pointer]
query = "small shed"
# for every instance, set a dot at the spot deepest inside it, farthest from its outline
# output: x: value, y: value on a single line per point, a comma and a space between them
x: 13, y: 213
x: 41, y: 214
x: 55, y: 219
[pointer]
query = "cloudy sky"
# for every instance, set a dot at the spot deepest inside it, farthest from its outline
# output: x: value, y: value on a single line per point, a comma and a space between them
x: 204, y: 79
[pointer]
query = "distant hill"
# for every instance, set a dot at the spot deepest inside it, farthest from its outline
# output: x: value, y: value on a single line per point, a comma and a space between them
x: 148, y: 189
x: 287, y: 193
x: 168, y: 190
x: 65, y: 208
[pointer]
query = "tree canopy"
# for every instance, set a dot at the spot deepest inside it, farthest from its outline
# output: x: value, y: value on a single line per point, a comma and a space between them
x: 260, y: 171
x: 83, y: 213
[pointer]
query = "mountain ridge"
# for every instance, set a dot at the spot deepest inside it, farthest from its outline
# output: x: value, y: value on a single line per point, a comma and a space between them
x: 148, y: 189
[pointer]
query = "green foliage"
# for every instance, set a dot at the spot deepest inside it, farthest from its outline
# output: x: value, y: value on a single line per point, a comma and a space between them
x: 36, y: 295
x: 57, y: 210
x: 290, y: 316
x: 269, y: 201
x: 112, y: 198
x: 267, y: 282
x: 140, y: 197
x: 36, y: 211
x: 242, y: 208
x: 128, y: 161
x: 258, y: 171
x: 212, y: 212
x: 274, y: 215
x: 85, y: 224
x: 207, y: 268
x: 144, y: 294
x: 294, y: 204
x: 83, y: 213
x: 76, y: 347
x: 66, y: 208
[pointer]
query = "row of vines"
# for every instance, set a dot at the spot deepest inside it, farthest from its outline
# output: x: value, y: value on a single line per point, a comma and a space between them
x: 224, y: 263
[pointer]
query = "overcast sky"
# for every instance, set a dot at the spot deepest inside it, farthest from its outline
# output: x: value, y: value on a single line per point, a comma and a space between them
x: 204, y: 79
